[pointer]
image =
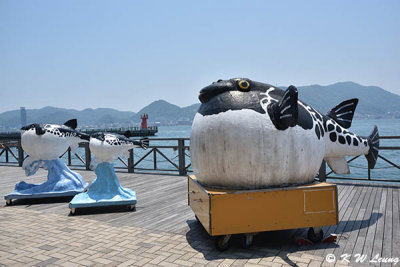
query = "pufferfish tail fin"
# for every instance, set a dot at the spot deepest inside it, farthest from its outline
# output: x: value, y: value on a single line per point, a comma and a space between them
x: 284, y: 114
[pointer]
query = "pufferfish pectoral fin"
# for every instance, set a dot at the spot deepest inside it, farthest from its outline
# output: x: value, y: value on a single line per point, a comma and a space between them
x: 39, y: 130
x: 338, y: 165
x: 284, y: 114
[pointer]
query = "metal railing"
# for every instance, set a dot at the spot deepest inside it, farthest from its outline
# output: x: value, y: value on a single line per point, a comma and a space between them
x: 135, y: 131
x: 172, y: 155
x: 323, y: 175
x: 167, y: 155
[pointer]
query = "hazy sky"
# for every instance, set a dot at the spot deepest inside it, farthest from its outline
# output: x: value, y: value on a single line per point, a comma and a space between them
x: 126, y: 54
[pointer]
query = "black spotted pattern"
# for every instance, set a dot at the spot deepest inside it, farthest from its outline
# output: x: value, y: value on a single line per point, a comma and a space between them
x: 342, y: 140
x: 333, y: 137
x: 348, y: 139
x: 355, y: 142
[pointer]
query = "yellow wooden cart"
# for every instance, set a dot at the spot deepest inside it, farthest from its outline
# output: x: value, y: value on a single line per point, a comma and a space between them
x: 226, y: 212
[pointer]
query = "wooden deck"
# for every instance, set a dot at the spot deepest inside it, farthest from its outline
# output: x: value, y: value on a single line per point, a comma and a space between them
x: 368, y: 214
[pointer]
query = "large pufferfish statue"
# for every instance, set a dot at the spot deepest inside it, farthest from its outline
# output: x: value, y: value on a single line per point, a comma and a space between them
x: 250, y: 135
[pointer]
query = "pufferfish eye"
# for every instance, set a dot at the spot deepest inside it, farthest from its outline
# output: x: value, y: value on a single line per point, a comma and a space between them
x: 244, y: 85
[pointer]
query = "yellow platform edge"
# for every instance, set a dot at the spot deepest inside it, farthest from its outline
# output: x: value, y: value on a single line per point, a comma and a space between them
x: 224, y: 212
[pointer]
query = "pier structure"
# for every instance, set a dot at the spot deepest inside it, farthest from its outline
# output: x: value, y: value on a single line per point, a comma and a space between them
x: 135, y: 131
x: 164, y: 232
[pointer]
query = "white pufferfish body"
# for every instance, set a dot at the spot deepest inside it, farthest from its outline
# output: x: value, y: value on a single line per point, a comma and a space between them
x: 262, y: 136
x: 108, y: 146
x: 50, y: 141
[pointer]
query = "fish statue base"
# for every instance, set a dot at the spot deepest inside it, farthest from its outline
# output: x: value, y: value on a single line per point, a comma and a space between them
x: 61, y: 182
x: 105, y: 190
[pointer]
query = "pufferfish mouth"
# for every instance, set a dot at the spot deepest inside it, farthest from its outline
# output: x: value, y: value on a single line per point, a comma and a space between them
x: 214, y: 89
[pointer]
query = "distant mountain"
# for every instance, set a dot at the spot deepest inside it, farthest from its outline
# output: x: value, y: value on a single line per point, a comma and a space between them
x: 167, y: 113
x: 374, y: 102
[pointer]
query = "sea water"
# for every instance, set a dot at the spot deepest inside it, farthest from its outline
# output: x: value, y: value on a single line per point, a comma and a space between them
x: 358, y: 167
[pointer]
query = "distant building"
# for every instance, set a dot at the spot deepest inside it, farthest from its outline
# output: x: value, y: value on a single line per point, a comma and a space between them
x: 23, y: 116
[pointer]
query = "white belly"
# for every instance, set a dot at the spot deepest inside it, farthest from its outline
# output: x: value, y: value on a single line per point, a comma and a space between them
x: 44, y: 147
x: 243, y: 149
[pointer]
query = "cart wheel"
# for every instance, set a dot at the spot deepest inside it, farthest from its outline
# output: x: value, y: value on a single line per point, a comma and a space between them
x: 247, y: 241
x: 132, y: 207
x: 73, y: 211
x: 315, y: 234
x: 8, y: 202
x: 222, y: 242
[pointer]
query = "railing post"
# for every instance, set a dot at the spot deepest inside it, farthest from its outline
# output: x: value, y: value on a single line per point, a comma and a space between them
x: 369, y: 173
x: 87, y: 156
x: 6, y: 153
x: 69, y: 156
x: 322, y: 172
x: 20, y: 154
x: 155, y: 158
x: 181, y: 156
x: 130, y: 161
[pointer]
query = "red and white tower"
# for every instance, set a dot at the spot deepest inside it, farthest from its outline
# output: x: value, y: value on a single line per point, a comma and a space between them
x: 144, y: 118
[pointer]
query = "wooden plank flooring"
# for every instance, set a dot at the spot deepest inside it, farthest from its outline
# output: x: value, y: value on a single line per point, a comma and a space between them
x: 369, y: 220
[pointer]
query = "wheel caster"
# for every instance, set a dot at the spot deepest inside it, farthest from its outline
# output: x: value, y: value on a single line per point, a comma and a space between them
x: 132, y: 207
x: 247, y: 241
x: 73, y: 211
x: 222, y: 242
x: 315, y: 234
x: 8, y: 202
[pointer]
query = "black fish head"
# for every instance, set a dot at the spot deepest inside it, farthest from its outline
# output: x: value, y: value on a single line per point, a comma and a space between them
x: 224, y: 86
x: 34, y: 126
x: 233, y: 94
